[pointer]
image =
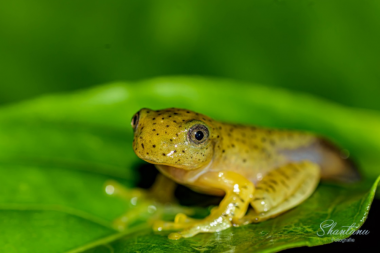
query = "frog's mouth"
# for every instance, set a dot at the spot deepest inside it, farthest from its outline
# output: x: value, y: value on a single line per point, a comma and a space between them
x: 183, y: 176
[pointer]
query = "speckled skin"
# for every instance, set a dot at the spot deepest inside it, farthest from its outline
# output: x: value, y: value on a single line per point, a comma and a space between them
x: 274, y: 170
x: 161, y: 139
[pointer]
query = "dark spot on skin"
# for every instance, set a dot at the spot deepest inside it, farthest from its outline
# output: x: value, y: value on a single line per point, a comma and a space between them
x: 183, y: 120
x: 220, y: 128
x: 140, y: 137
x: 167, y: 125
x: 283, y: 174
x: 163, y: 154
x: 147, y: 153
x: 217, y: 136
x: 142, y: 128
x: 244, y: 160
x: 263, y: 139
x: 233, y: 145
x: 154, y: 146
x: 154, y: 130
x: 154, y: 118
x: 174, y: 121
x: 176, y: 134
x: 171, y: 140
x: 179, y: 160
x: 283, y: 182
x: 170, y: 116
x: 154, y: 123
x: 157, y: 133
x: 256, y: 199
x: 148, y: 112
x: 271, y: 187
x: 203, y: 118
x: 259, y: 188
x: 223, y: 151
x: 273, y: 181
x: 183, y: 151
x: 165, y: 132
x: 272, y: 142
x: 162, y: 118
x: 175, y: 151
x: 175, y: 113
x: 188, y: 112
x: 142, y: 145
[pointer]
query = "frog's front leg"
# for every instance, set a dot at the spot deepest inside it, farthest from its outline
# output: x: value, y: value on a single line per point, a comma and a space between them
x: 281, y: 190
x: 162, y: 192
x: 239, y: 193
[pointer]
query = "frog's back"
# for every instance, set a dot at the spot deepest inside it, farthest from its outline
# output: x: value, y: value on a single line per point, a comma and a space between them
x: 254, y: 151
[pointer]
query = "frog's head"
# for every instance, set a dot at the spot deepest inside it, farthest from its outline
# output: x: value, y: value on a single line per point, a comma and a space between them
x: 174, y: 137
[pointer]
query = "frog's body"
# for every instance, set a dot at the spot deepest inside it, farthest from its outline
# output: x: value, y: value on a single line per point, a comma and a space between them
x: 273, y: 170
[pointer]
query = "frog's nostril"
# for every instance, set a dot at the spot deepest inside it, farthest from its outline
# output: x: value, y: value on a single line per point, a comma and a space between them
x: 135, y: 120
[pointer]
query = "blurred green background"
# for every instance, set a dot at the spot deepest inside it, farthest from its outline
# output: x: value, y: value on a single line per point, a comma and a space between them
x: 328, y: 48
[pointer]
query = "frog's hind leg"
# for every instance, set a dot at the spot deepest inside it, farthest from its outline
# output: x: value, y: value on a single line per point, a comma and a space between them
x: 239, y: 193
x: 281, y: 190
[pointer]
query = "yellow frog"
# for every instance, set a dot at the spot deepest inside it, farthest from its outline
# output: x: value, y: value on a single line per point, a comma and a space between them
x: 271, y: 170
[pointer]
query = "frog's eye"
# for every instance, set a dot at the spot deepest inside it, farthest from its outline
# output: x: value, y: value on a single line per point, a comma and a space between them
x: 135, y: 121
x: 198, y: 134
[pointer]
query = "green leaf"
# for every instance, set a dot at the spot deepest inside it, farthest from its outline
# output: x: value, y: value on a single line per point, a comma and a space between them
x: 57, y: 151
x: 298, y: 227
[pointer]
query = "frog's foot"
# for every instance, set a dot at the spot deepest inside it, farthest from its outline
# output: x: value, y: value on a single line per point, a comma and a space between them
x: 191, y: 227
x: 281, y: 190
x: 208, y: 225
x: 234, y: 205
x: 181, y: 221
x: 139, y: 198
x: 145, y: 201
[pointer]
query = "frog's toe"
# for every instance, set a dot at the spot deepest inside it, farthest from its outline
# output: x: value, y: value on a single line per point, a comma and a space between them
x: 166, y: 225
x: 183, y: 218
x: 181, y: 221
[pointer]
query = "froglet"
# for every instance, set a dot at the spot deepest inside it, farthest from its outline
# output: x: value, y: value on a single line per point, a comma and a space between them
x: 268, y: 169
